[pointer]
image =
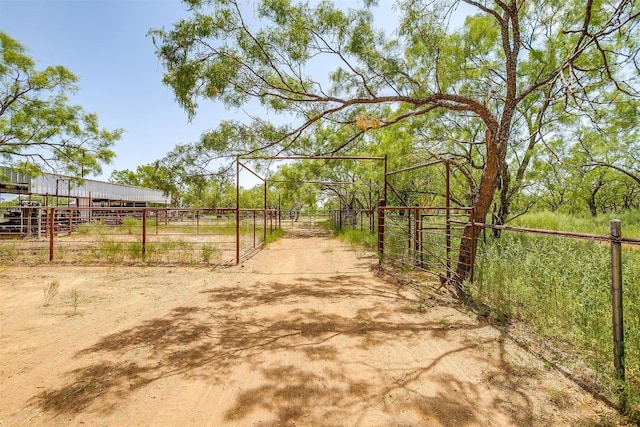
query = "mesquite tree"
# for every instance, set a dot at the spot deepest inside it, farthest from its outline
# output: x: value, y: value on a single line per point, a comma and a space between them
x: 39, y: 128
x: 509, y: 54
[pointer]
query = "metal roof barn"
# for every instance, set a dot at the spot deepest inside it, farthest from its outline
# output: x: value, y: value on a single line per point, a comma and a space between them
x: 47, y: 184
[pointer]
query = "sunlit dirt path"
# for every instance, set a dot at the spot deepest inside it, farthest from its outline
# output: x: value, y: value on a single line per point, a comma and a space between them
x: 304, y: 333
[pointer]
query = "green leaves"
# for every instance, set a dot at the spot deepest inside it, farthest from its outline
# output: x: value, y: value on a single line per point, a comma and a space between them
x: 37, y: 123
x: 430, y: 88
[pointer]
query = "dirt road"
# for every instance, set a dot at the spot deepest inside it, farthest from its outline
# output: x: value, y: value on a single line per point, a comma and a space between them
x: 304, y: 333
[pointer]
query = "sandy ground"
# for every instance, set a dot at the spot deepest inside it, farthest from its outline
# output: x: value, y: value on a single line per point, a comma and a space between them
x: 304, y: 333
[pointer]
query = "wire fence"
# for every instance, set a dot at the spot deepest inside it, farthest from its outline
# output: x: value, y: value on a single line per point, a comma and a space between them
x: 110, y: 235
x: 359, y: 219
x: 423, y: 238
x: 567, y: 287
x: 418, y: 238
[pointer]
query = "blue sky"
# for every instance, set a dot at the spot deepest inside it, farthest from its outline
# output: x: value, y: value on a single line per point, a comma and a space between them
x: 104, y: 42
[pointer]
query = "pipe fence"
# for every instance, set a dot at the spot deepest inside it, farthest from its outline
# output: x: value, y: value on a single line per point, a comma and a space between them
x: 577, y: 291
x: 360, y: 219
x: 569, y: 287
x: 108, y: 235
x: 422, y: 238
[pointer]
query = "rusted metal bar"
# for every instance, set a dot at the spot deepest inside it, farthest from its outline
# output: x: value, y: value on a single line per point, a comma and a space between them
x: 424, y: 165
x: 281, y: 181
x: 409, y: 234
x: 51, y: 232
x: 584, y: 236
x: 239, y: 164
x: 237, y: 212
x: 416, y: 239
x: 270, y: 221
x: 448, y: 217
x: 617, y: 312
x: 381, y: 205
x: 396, y: 193
x: 144, y: 234
x: 384, y: 187
x: 298, y: 157
x: 279, y: 213
x: 430, y: 209
x: 264, y: 230
x: 472, y: 261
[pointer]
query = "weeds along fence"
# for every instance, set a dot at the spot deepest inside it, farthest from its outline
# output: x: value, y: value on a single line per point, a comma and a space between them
x: 578, y: 291
x: 134, y: 235
x: 413, y: 238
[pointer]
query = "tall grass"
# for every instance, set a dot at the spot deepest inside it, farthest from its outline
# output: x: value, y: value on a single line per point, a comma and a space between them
x: 581, y: 224
x: 274, y: 235
x: 353, y: 236
x: 561, y: 288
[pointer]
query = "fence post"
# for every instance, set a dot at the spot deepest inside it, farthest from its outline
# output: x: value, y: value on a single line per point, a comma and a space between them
x: 51, y: 232
x: 381, y: 204
x: 409, y: 234
x: 40, y: 222
x: 144, y: 234
x: 417, y: 245
x: 617, y: 312
x: 474, y: 238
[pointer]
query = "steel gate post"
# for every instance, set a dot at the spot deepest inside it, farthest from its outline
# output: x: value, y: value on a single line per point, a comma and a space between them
x: 51, y: 232
x: 617, y: 312
x: 144, y: 234
x: 381, y: 205
x: 237, y: 210
x: 448, y: 218
x: 416, y: 243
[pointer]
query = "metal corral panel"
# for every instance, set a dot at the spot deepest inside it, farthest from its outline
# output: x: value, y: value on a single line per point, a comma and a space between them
x: 66, y: 186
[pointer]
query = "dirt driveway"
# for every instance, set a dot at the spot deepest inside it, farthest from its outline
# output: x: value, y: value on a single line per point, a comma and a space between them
x: 305, y: 333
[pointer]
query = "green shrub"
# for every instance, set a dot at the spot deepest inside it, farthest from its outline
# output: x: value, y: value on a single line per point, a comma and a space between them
x: 132, y: 225
x: 112, y: 251
x: 209, y: 252
x: 274, y: 235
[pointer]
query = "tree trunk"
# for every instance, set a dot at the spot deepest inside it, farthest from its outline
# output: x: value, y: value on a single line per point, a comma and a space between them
x: 593, y: 209
x: 481, y: 206
x: 503, y: 207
